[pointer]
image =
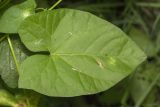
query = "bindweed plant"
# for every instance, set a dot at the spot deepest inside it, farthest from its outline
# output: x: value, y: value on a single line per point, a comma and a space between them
x: 60, y: 53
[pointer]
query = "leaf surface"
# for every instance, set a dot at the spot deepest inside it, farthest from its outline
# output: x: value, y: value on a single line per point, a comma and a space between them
x: 86, y: 54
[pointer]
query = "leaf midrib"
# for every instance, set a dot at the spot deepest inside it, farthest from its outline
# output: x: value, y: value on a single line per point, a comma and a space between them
x: 89, y: 55
x: 78, y: 71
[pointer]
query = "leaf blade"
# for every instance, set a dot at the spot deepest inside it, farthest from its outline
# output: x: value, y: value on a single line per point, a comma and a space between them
x: 90, y: 58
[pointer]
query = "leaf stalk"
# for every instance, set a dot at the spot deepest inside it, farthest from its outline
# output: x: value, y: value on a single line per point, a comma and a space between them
x: 13, y: 53
x: 58, y: 2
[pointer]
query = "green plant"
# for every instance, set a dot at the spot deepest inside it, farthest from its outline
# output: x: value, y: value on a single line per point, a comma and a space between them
x: 69, y: 53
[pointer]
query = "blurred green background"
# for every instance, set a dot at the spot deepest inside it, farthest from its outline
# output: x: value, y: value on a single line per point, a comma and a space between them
x: 140, y: 19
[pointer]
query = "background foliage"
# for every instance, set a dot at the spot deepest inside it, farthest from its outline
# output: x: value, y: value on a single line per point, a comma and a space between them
x: 140, y: 19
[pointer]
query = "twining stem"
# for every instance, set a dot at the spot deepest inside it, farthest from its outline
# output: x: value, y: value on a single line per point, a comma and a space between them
x: 139, y: 103
x: 58, y: 2
x: 13, y: 53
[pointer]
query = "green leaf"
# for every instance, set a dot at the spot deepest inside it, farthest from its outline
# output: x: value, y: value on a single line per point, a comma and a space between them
x: 143, y: 41
x: 13, y: 16
x: 87, y: 55
x: 8, y: 69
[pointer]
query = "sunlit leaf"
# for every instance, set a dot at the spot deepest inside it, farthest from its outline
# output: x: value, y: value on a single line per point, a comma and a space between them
x: 87, y: 55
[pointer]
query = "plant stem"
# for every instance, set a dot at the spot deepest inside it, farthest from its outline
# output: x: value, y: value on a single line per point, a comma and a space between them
x: 2, y: 38
x: 101, y: 5
x: 13, y: 53
x: 3, y: 3
x: 41, y: 9
x: 152, y: 5
x: 139, y: 103
x: 124, y: 99
x: 155, y: 23
x: 58, y: 2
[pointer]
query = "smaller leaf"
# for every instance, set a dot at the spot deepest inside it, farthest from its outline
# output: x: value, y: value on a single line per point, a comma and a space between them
x: 8, y: 69
x: 143, y: 41
x: 12, y: 18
